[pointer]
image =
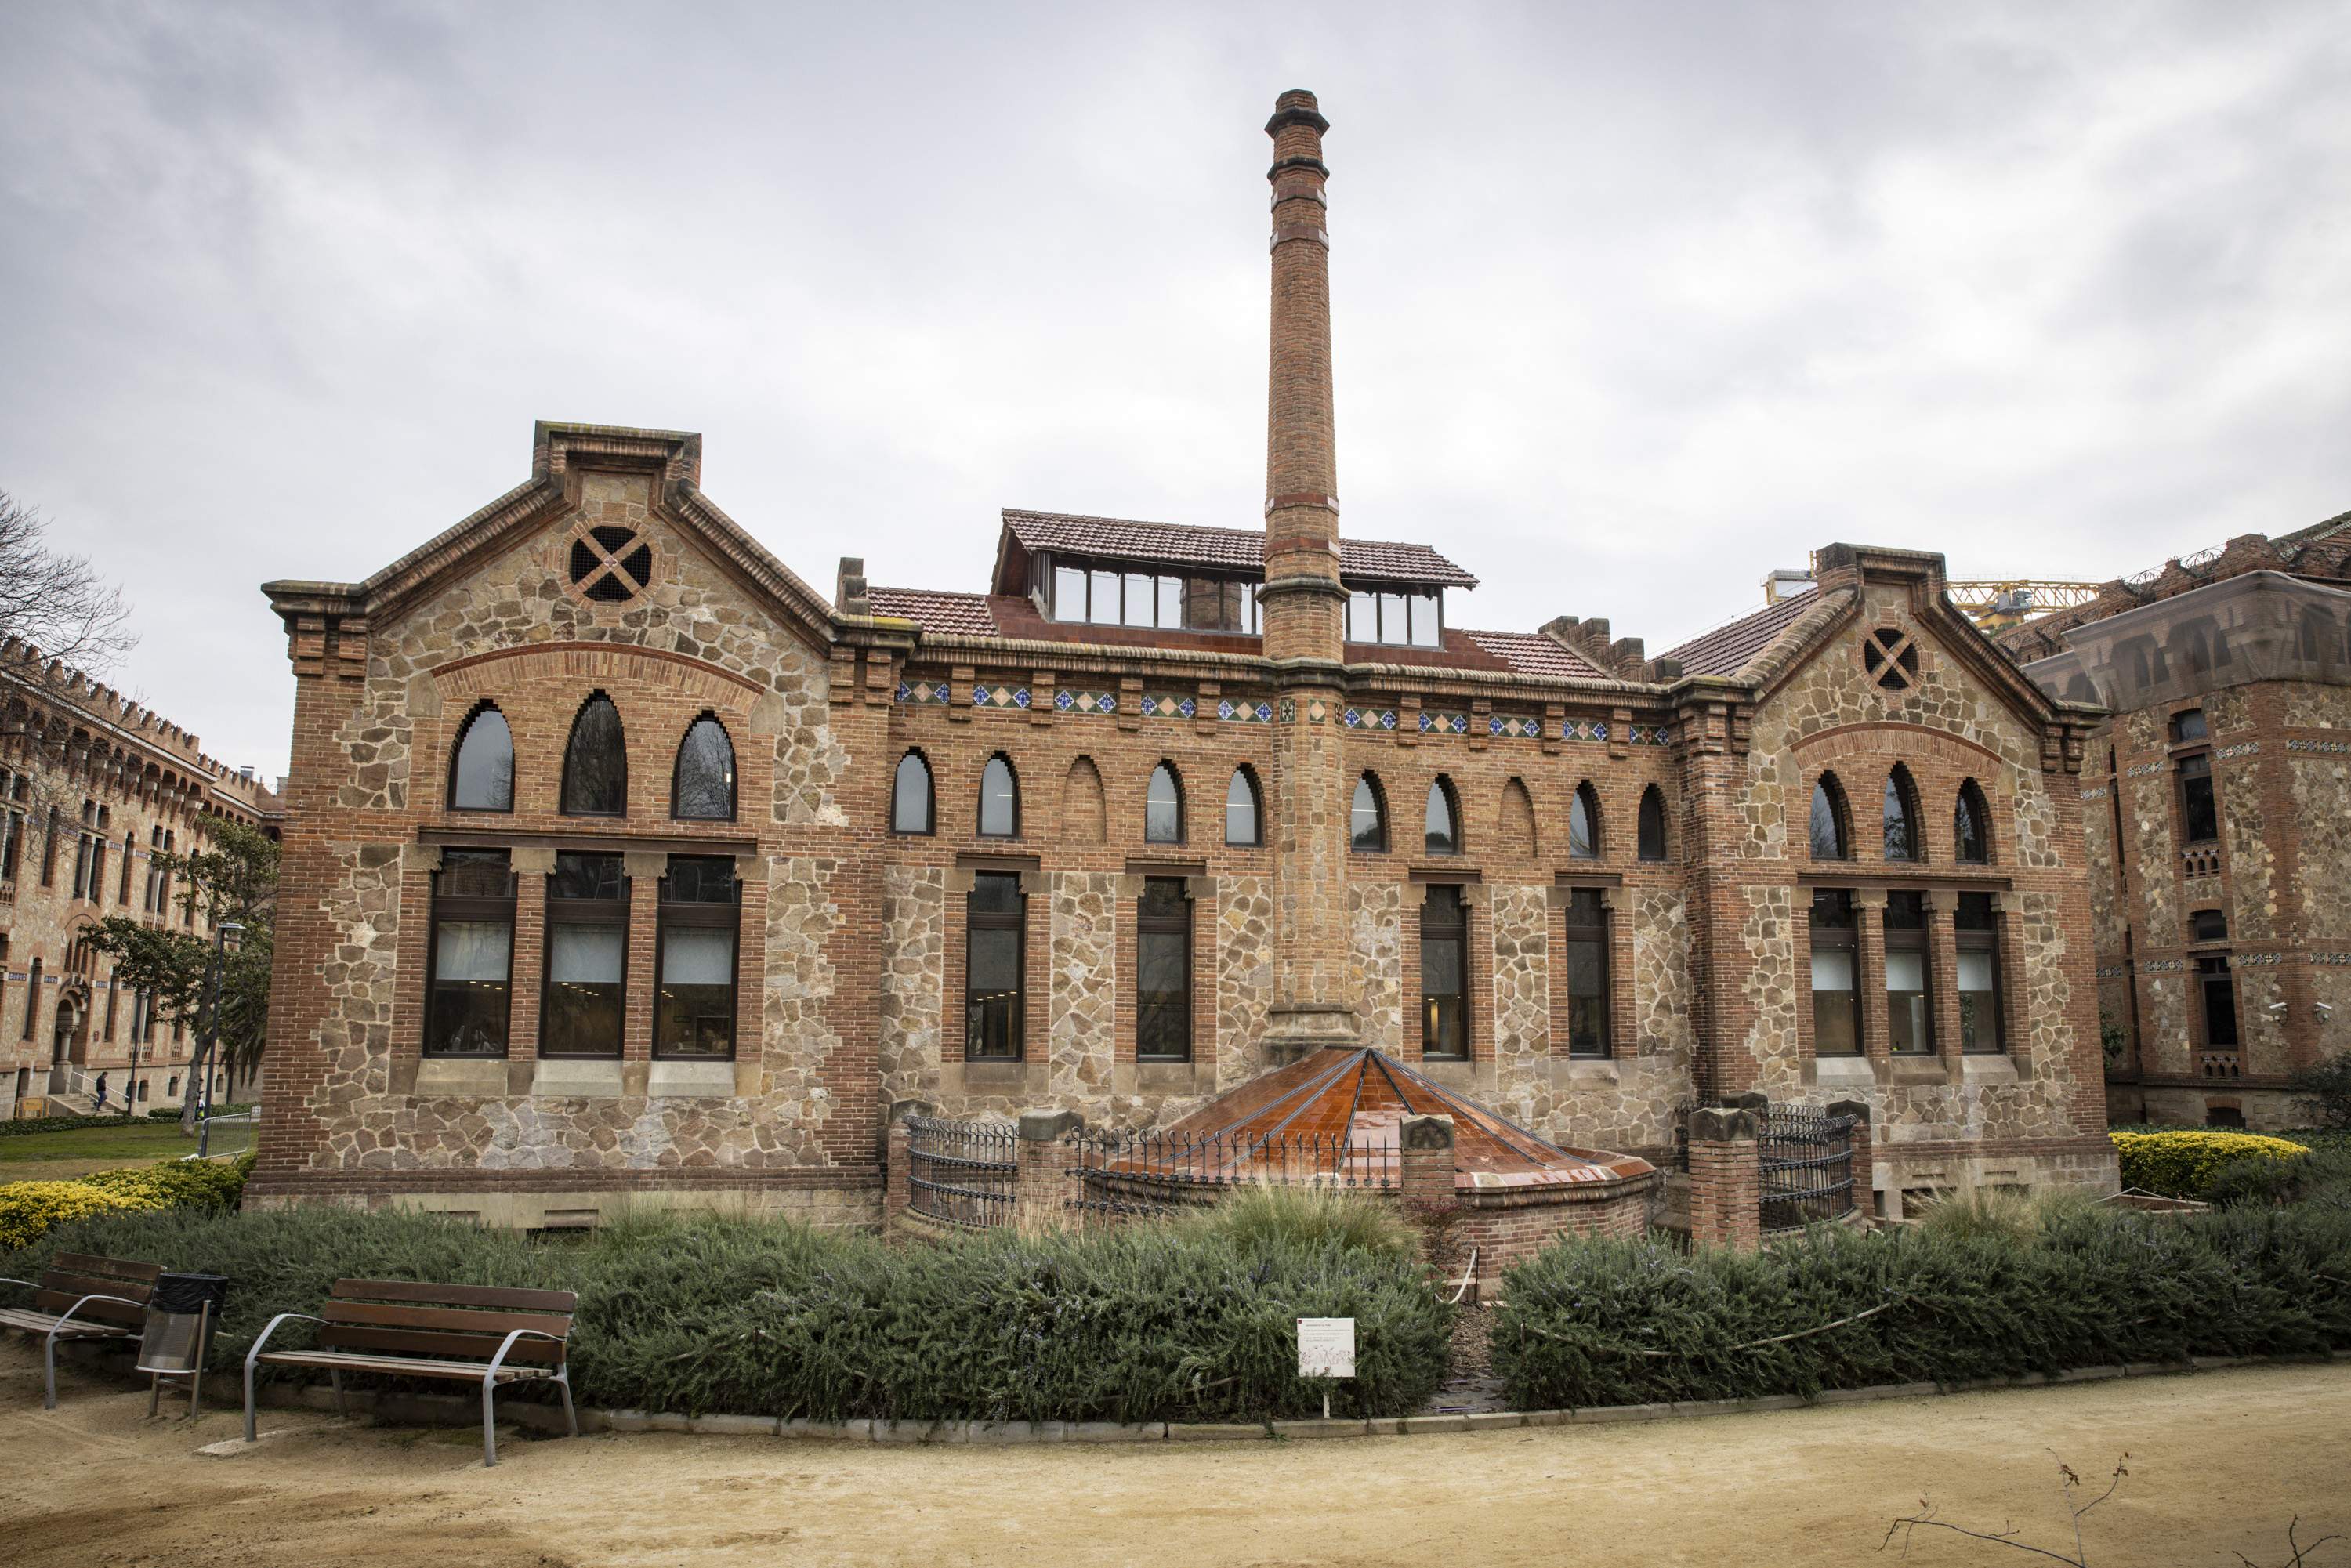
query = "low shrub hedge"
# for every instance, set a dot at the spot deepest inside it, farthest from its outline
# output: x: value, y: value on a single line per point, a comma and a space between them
x: 2182, y: 1163
x: 1187, y: 1321
x: 28, y: 1209
x: 19, y: 1126
x: 1625, y: 1321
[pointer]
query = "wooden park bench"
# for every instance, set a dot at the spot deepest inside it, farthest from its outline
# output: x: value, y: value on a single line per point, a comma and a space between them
x: 471, y: 1334
x: 82, y: 1297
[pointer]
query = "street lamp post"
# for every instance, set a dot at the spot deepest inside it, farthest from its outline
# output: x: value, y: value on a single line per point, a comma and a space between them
x: 208, y: 1031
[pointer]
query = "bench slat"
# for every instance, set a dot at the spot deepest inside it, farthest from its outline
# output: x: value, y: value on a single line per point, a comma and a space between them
x: 431, y: 1295
x: 396, y: 1366
x: 57, y: 1302
x: 42, y: 1323
x: 457, y: 1320
x: 422, y: 1342
x: 93, y: 1284
x: 115, y: 1268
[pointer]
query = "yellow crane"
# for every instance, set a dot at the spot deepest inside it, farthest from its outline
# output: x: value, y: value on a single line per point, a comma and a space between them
x: 1996, y: 605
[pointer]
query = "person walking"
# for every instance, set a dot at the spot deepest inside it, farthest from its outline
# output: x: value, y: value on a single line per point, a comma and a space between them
x: 98, y: 1107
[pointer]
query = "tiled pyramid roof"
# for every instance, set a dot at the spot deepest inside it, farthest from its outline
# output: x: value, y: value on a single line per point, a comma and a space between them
x: 964, y: 614
x: 1726, y: 649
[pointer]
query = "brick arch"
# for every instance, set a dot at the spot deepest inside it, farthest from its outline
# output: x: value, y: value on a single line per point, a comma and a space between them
x: 1897, y: 742
x: 1084, y: 818
x: 1514, y: 823
x: 486, y: 674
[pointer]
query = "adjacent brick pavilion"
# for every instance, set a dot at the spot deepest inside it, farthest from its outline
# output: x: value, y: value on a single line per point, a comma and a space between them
x: 1161, y: 809
x: 2218, y: 815
x: 92, y: 784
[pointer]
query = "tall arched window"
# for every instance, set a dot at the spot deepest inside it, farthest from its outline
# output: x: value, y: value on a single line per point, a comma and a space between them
x: 1827, y: 828
x: 596, y: 762
x: 1902, y: 817
x: 1583, y: 824
x: 702, y: 786
x: 1368, y: 819
x: 1442, y: 835
x: 910, y: 796
x: 1163, y: 808
x: 1970, y: 827
x: 1242, y: 811
x: 481, y: 771
x: 1652, y: 826
x: 999, y: 799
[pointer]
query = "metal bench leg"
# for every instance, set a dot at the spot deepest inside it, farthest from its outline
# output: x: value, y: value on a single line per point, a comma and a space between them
x: 49, y: 1371
x: 154, y: 1392
x: 563, y: 1382
x: 249, y: 1401
x: 335, y: 1378
x: 489, y: 1420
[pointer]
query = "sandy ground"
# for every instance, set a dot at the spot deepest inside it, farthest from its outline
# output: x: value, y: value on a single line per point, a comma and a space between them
x: 2219, y: 1461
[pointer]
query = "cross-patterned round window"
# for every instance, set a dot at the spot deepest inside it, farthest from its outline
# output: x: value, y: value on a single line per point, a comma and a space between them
x: 608, y: 564
x: 1891, y: 658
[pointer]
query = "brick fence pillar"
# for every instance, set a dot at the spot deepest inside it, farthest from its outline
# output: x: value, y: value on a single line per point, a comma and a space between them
x: 1726, y: 1177
x: 1425, y: 1176
x: 1040, y: 1179
x: 897, y: 1174
x: 1865, y: 1176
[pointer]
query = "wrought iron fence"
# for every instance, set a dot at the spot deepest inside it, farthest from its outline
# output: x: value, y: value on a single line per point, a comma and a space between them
x: 1807, y: 1160
x: 1120, y: 1175
x: 960, y: 1172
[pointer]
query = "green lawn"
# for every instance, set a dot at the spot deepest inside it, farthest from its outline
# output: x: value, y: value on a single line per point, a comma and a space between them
x: 78, y: 1151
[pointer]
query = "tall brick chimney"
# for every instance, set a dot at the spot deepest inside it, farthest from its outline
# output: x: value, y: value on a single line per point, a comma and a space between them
x: 1303, y: 610
x: 1304, y: 605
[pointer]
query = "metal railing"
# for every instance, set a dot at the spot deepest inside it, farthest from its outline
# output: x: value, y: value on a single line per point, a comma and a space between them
x: 960, y: 1172
x: 1807, y: 1167
x: 1120, y: 1175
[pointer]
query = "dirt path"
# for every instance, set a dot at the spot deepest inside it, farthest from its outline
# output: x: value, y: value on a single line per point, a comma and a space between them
x: 2220, y: 1461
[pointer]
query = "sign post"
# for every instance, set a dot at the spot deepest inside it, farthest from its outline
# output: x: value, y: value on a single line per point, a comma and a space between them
x: 1326, y: 1349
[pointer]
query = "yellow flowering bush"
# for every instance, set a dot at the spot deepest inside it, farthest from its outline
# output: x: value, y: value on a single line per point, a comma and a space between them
x: 28, y: 1209
x: 2183, y: 1164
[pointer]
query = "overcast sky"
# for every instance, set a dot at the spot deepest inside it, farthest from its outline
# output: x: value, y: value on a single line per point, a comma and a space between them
x: 1633, y: 302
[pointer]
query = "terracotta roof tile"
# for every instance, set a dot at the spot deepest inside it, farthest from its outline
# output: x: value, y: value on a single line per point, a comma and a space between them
x: 964, y: 614
x: 1237, y: 549
x: 1532, y: 653
x: 1726, y: 649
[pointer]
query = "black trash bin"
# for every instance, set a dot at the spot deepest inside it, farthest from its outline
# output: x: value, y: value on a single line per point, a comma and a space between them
x: 180, y: 1312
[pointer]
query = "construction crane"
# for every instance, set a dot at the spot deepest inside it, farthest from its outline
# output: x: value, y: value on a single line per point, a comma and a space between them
x: 1997, y: 605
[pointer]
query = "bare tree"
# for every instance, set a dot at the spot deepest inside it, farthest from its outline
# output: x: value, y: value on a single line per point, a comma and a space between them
x: 57, y: 602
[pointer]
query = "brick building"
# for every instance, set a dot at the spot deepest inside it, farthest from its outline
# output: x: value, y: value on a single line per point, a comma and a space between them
x: 92, y: 786
x: 619, y: 861
x: 2217, y: 812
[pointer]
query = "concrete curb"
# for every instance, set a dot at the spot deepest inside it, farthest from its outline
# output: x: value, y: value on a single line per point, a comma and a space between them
x: 466, y: 1410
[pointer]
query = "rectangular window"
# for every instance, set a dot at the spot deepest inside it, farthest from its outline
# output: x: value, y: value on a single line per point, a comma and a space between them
x: 994, y: 968
x: 1978, y: 933
x: 583, y: 995
x: 12, y: 842
x: 470, y: 988
x: 112, y: 994
x: 49, y: 852
x: 1162, y: 970
x: 1362, y: 618
x: 32, y: 1000
x: 1910, y: 1023
x: 1103, y: 607
x: 1141, y: 598
x: 2219, y: 995
x: 1444, y: 979
x: 1069, y: 593
x: 81, y: 865
x: 2197, y: 819
x: 1587, y: 973
x: 701, y: 926
x: 1428, y: 620
x: 1171, y: 600
x: 1396, y: 626
x: 1249, y: 606
x: 96, y: 893
x: 1836, y: 992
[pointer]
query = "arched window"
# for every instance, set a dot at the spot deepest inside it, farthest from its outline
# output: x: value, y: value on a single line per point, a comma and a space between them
x: 1163, y: 808
x: 702, y: 787
x: 1442, y: 833
x: 1652, y: 825
x: 596, y: 762
x: 1970, y: 827
x: 1368, y: 821
x: 999, y: 799
x: 910, y: 796
x: 1828, y: 830
x: 1242, y: 809
x: 1901, y: 817
x: 1583, y: 824
x: 481, y: 772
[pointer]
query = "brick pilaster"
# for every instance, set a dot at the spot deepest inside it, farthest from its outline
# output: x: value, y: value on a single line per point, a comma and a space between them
x: 1726, y: 1177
